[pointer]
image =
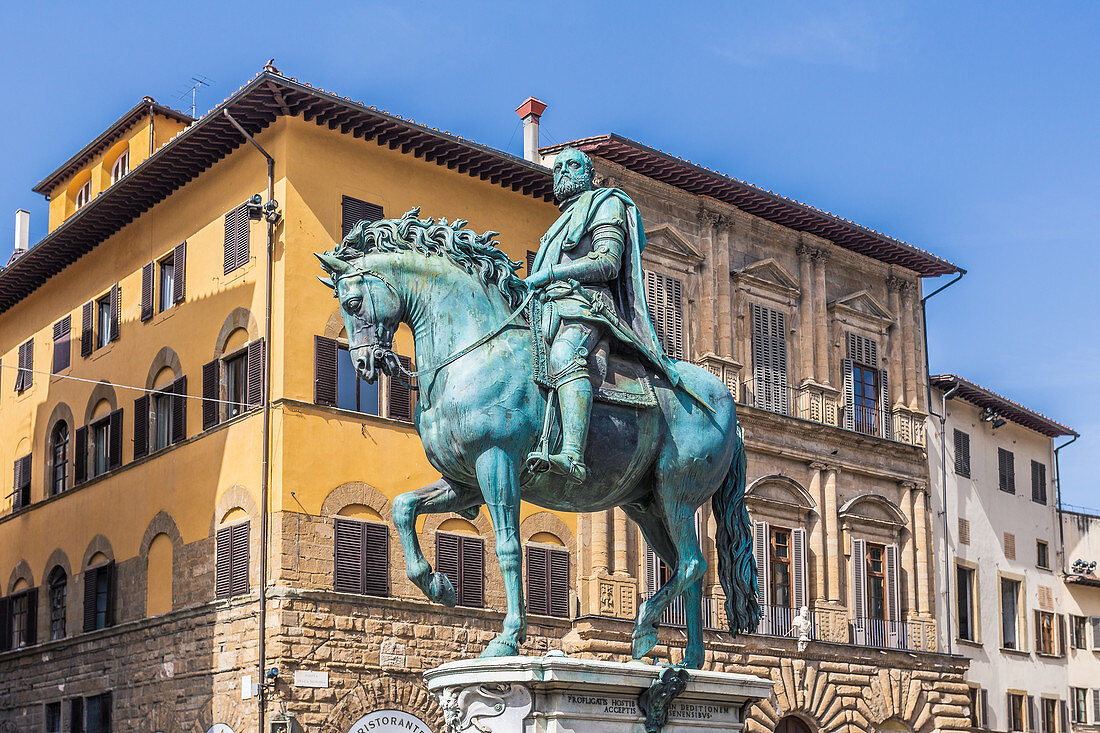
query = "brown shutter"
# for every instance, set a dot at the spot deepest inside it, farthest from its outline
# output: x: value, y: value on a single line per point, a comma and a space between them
x: 61, y: 348
x: 1061, y: 634
x: 471, y: 571
x: 223, y: 566
x: 147, y: 291
x: 210, y: 394
x: 114, y: 440
x: 559, y: 583
x: 1006, y: 471
x: 325, y: 352
x: 530, y: 261
x: 31, y: 633
x: 447, y: 558
x: 22, y: 468
x: 179, y: 410
x: 243, y: 231
x: 5, y: 624
x: 254, y: 392
x: 111, y: 571
x: 239, y: 559
x: 80, y: 455
x: 86, y: 344
x: 400, y: 405
x: 90, y: 582
x: 179, y: 272
x: 236, y: 238
x: 376, y: 558
x: 26, y: 365
x: 348, y: 556
x: 538, y: 581
x: 962, y: 453
x: 116, y: 310
x: 141, y: 426
x: 229, y: 259
x: 355, y: 210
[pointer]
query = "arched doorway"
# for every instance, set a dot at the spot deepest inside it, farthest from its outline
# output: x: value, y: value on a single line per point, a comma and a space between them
x: 791, y: 724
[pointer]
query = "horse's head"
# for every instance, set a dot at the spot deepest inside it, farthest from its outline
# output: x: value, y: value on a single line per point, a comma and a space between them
x: 371, y: 309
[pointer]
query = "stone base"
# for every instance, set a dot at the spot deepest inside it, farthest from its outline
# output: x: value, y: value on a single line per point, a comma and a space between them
x: 559, y: 694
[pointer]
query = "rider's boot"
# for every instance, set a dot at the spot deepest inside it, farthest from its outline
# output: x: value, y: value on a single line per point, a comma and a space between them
x: 575, y: 400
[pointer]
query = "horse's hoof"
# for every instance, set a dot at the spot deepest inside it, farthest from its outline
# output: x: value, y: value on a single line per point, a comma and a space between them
x: 644, y: 641
x: 693, y: 659
x: 499, y: 647
x: 441, y: 590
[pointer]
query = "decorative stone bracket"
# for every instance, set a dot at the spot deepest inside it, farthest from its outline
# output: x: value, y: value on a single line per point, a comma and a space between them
x: 611, y: 595
x: 818, y: 402
x: 909, y: 425
x: 726, y: 369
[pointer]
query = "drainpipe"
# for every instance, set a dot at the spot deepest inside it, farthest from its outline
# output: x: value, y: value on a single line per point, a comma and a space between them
x: 271, y: 217
x: 1058, y: 489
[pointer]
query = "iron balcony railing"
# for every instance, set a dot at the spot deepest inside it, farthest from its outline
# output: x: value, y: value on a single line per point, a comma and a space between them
x: 783, y: 399
x: 880, y: 633
x: 777, y: 621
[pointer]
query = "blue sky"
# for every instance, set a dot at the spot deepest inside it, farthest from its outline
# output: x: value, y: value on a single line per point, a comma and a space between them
x: 968, y: 129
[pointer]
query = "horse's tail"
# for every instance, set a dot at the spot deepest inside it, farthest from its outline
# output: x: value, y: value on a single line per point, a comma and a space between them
x: 736, y: 564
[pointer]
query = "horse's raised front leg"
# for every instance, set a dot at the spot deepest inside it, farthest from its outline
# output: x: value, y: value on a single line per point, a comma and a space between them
x: 440, y: 497
x: 497, y: 474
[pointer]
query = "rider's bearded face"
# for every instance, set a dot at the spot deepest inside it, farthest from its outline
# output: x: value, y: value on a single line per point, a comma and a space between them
x: 572, y: 174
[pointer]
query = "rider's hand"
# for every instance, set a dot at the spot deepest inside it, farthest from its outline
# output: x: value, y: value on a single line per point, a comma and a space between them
x: 538, y: 280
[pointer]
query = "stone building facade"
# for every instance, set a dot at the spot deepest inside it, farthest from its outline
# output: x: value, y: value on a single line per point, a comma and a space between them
x: 168, y: 579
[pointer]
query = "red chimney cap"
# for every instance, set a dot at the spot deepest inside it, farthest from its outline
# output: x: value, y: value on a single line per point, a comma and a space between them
x: 531, y: 108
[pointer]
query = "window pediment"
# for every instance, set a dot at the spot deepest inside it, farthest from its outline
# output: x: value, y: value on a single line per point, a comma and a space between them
x: 861, y: 307
x: 872, y: 509
x: 780, y: 492
x: 769, y: 279
x: 667, y: 240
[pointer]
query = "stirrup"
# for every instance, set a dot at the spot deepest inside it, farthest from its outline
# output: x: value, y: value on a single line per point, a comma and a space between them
x: 572, y: 468
x: 538, y: 462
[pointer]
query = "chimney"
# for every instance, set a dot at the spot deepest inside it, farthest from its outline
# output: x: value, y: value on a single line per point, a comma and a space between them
x: 22, y: 231
x: 531, y: 110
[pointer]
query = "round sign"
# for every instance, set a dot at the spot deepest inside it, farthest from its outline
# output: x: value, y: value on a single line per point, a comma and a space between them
x: 219, y: 728
x: 389, y: 721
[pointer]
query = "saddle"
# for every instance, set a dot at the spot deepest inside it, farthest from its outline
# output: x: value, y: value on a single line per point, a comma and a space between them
x: 626, y: 382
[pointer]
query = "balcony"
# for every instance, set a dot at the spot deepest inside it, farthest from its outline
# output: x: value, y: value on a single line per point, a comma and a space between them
x: 880, y: 634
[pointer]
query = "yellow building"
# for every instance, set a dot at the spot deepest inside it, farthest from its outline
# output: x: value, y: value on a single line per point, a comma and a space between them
x: 164, y: 507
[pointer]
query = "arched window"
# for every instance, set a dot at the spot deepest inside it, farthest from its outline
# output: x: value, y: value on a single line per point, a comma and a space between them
x: 57, y: 584
x: 59, y: 458
x: 120, y: 167
x: 84, y: 194
x: 791, y: 724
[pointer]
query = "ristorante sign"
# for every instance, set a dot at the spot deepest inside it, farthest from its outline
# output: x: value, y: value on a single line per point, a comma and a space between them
x: 389, y: 721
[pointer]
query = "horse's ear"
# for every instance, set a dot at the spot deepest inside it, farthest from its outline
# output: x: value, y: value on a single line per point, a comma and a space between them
x: 332, y: 265
x: 327, y: 281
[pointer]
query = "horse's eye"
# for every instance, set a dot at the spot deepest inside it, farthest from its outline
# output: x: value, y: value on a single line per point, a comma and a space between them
x: 351, y: 305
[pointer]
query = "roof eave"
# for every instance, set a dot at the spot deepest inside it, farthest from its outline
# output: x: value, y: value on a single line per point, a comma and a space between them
x: 980, y: 396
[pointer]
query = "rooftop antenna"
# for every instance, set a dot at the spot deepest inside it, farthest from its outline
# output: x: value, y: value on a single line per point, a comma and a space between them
x: 197, y: 81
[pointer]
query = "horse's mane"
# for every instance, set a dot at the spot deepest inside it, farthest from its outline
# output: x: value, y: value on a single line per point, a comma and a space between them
x: 476, y: 253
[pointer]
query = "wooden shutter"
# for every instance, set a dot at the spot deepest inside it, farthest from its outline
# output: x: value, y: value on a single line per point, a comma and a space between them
x: 114, y: 440
x: 799, y: 569
x: 239, y: 556
x: 538, y: 580
x: 1038, y: 482
x: 22, y: 480
x: 769, y: 358
x: 236, y: 239
x: 559, y: 583
x: 447, y: 557
x: 61, y: 347
x: 179, y: 409
x: 80, y: 455
x: 1032, y: 718
x: 761, y: 537
x: 983, y: 706
x: 664, y: 297
x: 147, y: 291
x: 229, y: 259
x: 86, y: 344
x: 652, y: 571
x: 1096, y: 705
x: 179, y: 272
x: 849, y: 394
x: 255, y: 380
x: 141, y: 426
x: 210, y: 394
x: 859, y: 577
x: 31, y: 633
x: 223, y: 566
x: 884, y: 405
x: 24, y: 377
x: 1006, y: 471
x: 1061, y: 634
x: 399, y: 403
x: 964, y: 531
x: 325, y: 353
x: 1010, y: 545
x: 530, y: 260
x: 376, y: 558
x: 90, y: 582
x: 471, y: 571
x: 962, y: 453
x: 116, y: 310
x: 347, y: 558
x: 1094, y: 622
x: 893, y: 584
x: 1063, y: 723
x: 353, y: 211
x: 5, y: 624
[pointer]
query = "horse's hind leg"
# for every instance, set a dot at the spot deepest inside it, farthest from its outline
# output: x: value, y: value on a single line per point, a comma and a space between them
x: 651, y: 522
x: 442, y: 496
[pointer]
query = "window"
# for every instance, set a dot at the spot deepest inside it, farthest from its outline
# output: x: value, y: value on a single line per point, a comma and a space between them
x: 962, y: 453
x: 1010, y: 597
x: 58, y: 597
x: 965, y: 600
x: 1077, y: 633
x: 21, y: 493
x: 236, y: 383
x: 974, y: 702
x: 353, y: 211
x: 241, y: 373
x: 866, y: 395
x: 876, y: 582
x: 162, y: 282
x: 781, y: 573
x: 1006, y: 471
x: 462, y: 559
x: 1042, y: 554
x: 1049, y: 715
x: 361, y: 557
x: 83, y: 195
x: 1078, y: 705
x: 162, y: 420
x: 24, y: 378
x: 101, y: 436
x: 24, y: 614
x: 337, y: 384
x: 865, y: 380
x: 1038, y: 482
x: 53, y: 717
x: 100, y: 326
x: 780, y: 558
x: 547, y: 581
x: 232, y: 559
x: 167, y: 289
x: 664, y: 296
x: 99, y: 600
x: 353, y: 392
x: 1044, y: 633
x: 104, y: 320
x: 59, y: 458
x: 1015, y: 712
x: 99, y: 447
x: 120, y: 167
x: 76, y: 715
x: 98, y: 709
x: 167, y: 409
x: 769, y: 359
x: 62, y: 332
x: 236, y: 238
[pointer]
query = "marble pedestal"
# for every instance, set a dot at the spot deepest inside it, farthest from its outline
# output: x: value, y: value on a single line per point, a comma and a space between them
x: 559, y: 694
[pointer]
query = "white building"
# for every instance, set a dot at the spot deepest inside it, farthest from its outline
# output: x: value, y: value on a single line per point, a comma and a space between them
x: 1081, y: 536
x: 996, y: 535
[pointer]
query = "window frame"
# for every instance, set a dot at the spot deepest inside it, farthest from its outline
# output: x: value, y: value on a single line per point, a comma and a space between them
x: 961, y: 440
x: 1042, y: 554
x: 342, y: 347
x: 59, y: 464
x: 99, y: 443
x: 21, y: 610
x: 776, y: 562
x: 229, y: 363
x: 120, y: 168
x: 1080, y: 714
x: 1006, y: 471
x: 1079, y: 623
x: 1016, y: 712
x: 1046, y: 640
x: 972, y: 602
x: 57, y: 595
x: 165, y: 300
x: 880, y: 577
x: 865, y: 417
x: 1019, y: 636
x: 1048, y: 715
x: 83, y: 196
x: 103, y: 331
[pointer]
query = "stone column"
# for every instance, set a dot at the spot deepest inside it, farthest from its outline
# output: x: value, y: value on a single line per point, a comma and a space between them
x: 909, y: 346
x: 818, y: 533
x: 600, y: 521
x: 920, y: 521
x: 620, y: 542
x: 834, y: 534
x: 897, y: 364
x: 909, y: 553
x: 708, y: 308
x: 805, y: 313
x: 821, y: 324
x: 725, y: 291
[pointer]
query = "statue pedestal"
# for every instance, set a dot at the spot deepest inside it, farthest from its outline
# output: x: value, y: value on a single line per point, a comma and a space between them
x: 559, y: 694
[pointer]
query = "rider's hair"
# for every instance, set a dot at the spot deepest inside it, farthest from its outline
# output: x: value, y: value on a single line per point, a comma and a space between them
x: 476, y: 253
